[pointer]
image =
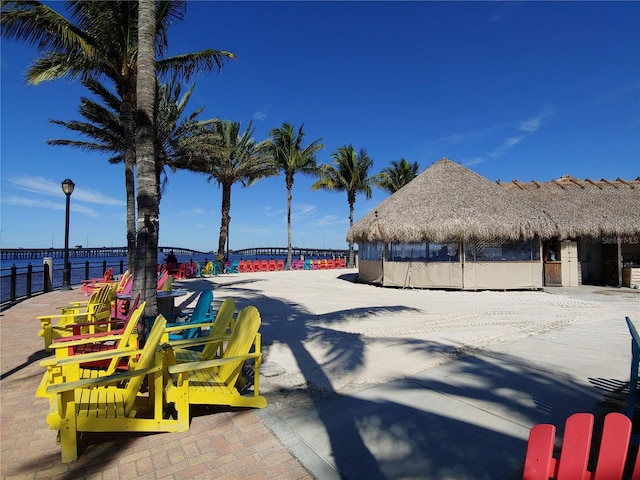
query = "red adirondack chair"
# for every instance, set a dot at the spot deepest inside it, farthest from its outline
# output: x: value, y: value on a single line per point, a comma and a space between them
x: 576, y: 445
x: 88, y: 286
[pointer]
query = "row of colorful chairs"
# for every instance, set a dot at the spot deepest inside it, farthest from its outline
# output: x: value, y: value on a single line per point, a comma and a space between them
x: 193, y: 270
x: 272, y: 265
x: 322, y: 264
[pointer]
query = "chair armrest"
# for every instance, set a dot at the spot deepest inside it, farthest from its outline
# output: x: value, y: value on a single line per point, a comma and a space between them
x: 194, y: 342
x: 77, y: 340
x: 175, y: 327
x: 79, y: 303
x: 192, y: 366
x: 98, y: 336
x: 95, y: 382
x: 62, y: 315
x: 90, y: 357
x: 92, y: 324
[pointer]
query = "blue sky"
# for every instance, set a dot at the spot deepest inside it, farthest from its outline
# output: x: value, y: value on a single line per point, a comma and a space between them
x: 530, y: 90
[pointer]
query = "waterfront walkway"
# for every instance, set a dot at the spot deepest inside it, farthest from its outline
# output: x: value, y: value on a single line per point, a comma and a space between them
x: 223, y: 445
x: 362, y: 382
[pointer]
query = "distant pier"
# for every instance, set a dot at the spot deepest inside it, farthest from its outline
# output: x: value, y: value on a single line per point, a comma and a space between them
x: 78, y: 252
x: 105, y: 252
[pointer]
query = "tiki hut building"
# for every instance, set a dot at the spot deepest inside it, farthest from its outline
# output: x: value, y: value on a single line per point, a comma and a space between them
x: 597, y: 237
x: 452, y: 228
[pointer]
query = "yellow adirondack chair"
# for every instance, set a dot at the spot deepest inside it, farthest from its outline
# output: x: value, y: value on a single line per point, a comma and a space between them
x: 213, y: 382
x: 205, y: 348
x: 207, y: 269
x: 80, y: 306
x: 58, y: 372
x: 75, y: 320
x: 113, y: 403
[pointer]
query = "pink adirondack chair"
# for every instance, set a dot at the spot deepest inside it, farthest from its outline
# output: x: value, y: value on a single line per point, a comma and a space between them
x: 120, y: 308
x: 576, y: 445
x: 88, y: 286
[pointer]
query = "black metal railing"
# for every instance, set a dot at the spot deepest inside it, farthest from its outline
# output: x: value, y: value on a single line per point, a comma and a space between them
x: 20, y: 282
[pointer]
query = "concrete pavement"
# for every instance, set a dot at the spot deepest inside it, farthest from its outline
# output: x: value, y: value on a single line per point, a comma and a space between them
x: 362, y: 382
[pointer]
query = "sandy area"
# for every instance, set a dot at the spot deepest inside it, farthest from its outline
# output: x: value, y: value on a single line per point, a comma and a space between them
x: 323, y: 330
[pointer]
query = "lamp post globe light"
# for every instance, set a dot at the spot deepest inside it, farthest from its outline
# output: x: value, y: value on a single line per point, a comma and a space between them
x: 67, y: 188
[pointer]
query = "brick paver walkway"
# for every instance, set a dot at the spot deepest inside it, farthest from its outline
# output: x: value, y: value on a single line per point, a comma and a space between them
x: 219, y: 444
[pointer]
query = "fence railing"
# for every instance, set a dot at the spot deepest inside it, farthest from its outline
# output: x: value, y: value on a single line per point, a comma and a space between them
x: 20, y: 282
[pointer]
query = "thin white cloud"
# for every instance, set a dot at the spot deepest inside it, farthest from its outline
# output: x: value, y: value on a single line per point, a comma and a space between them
x: 302, y: 210
x: 473, y: 161
x: 532, y: 124
x: 470, y: 135
x: 194, y: 212
x: 261, y: 115
x: 506, y: 145
x: 271, y: 212
x: 93, y: 196
x: 328, y: 220
x: 20, y: 201
x: 45, y: 186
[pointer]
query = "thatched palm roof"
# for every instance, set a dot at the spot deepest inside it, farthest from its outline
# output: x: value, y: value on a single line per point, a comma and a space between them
x: 586, y: 208
x: 450, y: 202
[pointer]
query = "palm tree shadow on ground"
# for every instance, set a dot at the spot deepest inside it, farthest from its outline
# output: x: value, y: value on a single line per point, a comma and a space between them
x: 412, y: 435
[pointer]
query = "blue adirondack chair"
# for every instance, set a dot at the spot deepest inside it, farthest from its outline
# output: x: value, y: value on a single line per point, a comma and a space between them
x: 202, y: 313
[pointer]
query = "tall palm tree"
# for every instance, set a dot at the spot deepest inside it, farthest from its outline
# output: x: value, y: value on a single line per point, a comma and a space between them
x: 286, y: 151
x: 349, y: 173
x: 228, y: 157
x: 100, y: 40
x: 102, y: 126
x: 145, y: 266
x: 396, y: 176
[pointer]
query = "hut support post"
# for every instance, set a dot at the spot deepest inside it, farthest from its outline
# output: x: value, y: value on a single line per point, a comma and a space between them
x: 619, y: 244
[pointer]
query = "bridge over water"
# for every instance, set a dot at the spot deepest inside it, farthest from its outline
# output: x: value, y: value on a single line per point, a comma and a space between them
x: 79, y: 252
x: 105, y: 252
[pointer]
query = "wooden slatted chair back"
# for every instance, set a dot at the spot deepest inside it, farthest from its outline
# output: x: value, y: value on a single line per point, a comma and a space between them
x: 146, y: 360
x: 633, y: 377
x: 220, y: 326
x: 540, y: 463
x: 132, y: 322
x: 242, y: 338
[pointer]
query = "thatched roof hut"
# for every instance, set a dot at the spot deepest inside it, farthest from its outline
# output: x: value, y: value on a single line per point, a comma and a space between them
x: 585, y: 208
x: 448, y: 202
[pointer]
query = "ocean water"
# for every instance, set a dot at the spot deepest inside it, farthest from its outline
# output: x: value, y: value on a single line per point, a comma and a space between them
x: 95, y: 270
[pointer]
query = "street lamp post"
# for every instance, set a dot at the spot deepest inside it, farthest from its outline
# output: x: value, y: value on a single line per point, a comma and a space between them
x: 67, y: 188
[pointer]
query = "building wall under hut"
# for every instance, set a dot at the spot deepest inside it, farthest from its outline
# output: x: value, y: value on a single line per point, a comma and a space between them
x: 500, y: 265
x: 422, y: 274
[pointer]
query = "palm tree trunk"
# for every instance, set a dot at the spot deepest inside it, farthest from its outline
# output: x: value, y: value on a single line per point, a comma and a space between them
x: 225, y: 220
x: 129, y: 163
x: 350, y: 263
x: 289, y: 198
x: 145, y: 274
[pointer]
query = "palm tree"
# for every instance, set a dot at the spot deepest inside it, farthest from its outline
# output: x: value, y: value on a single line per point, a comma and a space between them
x: 101, y: 40
x: 105, y: 133
x: 396, y: 176
x: 285, y: 150
x: 227, y: 157
x: 145, y: 266
x: 349, y: 173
